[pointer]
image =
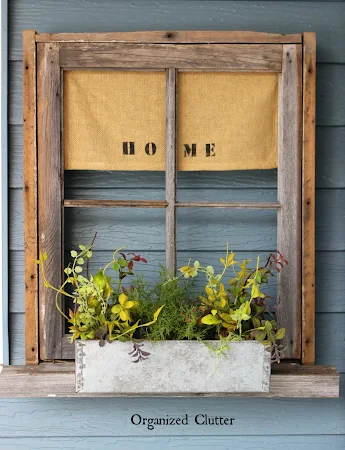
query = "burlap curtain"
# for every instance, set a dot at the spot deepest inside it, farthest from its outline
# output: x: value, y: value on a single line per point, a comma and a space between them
x: 115, y: 120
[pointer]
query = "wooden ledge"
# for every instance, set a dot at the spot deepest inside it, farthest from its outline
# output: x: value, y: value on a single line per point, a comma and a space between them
x: 57, y: 380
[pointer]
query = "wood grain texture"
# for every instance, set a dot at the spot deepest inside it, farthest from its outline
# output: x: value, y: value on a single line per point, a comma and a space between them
x: 170, y: 171
x: 176, y: 443
x: 178, y: 37
x: 253, y: 198
x: 30, y: 197
x: 296, y: 382
x: 308, y: 199
x: 123, y: 16
x: 50, y: 196
x: 289, y: 188
x: 235, y: 57
x: 98, y: 203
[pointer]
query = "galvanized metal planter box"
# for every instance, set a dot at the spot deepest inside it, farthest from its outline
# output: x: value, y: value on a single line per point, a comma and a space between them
x: 171, y: 367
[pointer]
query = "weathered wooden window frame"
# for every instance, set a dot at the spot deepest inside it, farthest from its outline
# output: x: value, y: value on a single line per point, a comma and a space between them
x: 46, y: 56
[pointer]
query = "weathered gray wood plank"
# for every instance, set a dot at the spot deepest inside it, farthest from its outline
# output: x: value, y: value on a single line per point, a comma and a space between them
x: 174, y: 37
x: 50, y: 197
x: 330, y: 339
x: 99, y: 203
x: 266, y: 16
x: 58, y: 380
x: 289, y: 188
x: 30, y: 195
x: 170, y: 172
x: 308, y: 199
x: 234, y: 57
x: 330, y: 268
x: 177, y: 443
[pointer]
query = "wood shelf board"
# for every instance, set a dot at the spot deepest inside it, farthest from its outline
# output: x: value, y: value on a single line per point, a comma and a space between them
x: 57, y: 380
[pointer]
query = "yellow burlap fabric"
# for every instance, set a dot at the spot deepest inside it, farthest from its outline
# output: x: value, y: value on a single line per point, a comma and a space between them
x: 116, y: 120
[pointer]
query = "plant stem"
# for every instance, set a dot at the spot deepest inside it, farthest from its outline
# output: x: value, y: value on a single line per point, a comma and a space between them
x: 87, y: 262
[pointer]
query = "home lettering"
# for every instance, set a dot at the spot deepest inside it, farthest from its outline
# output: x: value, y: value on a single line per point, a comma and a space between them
x: 128, y: 148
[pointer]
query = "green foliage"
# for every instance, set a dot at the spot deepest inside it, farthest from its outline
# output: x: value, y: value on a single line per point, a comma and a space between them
x: 102, y: 310
x: 239, y: 311
x: 231, y: 308
x: 179, y: 318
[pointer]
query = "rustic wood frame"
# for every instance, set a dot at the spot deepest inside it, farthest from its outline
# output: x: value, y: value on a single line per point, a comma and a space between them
x: 44, y: 57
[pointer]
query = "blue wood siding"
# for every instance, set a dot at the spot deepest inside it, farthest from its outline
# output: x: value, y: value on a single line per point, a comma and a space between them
x: 261, y: 423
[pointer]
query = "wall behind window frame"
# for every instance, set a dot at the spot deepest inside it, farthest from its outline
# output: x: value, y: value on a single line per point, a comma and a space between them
x: 98, y: 422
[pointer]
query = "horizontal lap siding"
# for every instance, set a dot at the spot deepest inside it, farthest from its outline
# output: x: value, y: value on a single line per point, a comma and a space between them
x: 176, y: 443
x: 36, y: 424
x: 110, y: 417
x: 77, y: 16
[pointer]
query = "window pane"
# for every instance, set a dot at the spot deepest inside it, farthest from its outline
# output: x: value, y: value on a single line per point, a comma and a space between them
x: 114, y: 185
x: 114, y: 120
x: 227, y: 132
x: 204, y: 232
x: 139, y: 230
x: 209, y: 229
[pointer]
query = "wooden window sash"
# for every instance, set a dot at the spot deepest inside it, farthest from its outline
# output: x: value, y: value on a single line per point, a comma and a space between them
x: 289, y: 196
x: 50, y: 195
x: 50, y: 236
x: 231, y: 57
x: 170, y: 172
x: 175, y: 37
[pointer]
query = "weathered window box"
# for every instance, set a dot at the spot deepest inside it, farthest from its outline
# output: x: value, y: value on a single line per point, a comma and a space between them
x: 172, y: 367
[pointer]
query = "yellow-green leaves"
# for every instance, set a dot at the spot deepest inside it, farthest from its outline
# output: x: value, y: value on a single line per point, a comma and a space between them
x: 189, y: 271
x: 217, y: 297
x: 242, y: 313
x: 43, y: 258
x: 229, y: 260
x: 99, y: 280
x: 255, y: 289
x: 156, y: 314
x: 228, y: 310
x: 210, y: 319
x: 122, y: 308
x: 256, y: 322
x: 129, y: 329
x: 280, y: 333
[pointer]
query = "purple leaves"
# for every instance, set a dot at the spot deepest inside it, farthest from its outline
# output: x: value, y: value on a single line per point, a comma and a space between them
x: 138, y: 353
